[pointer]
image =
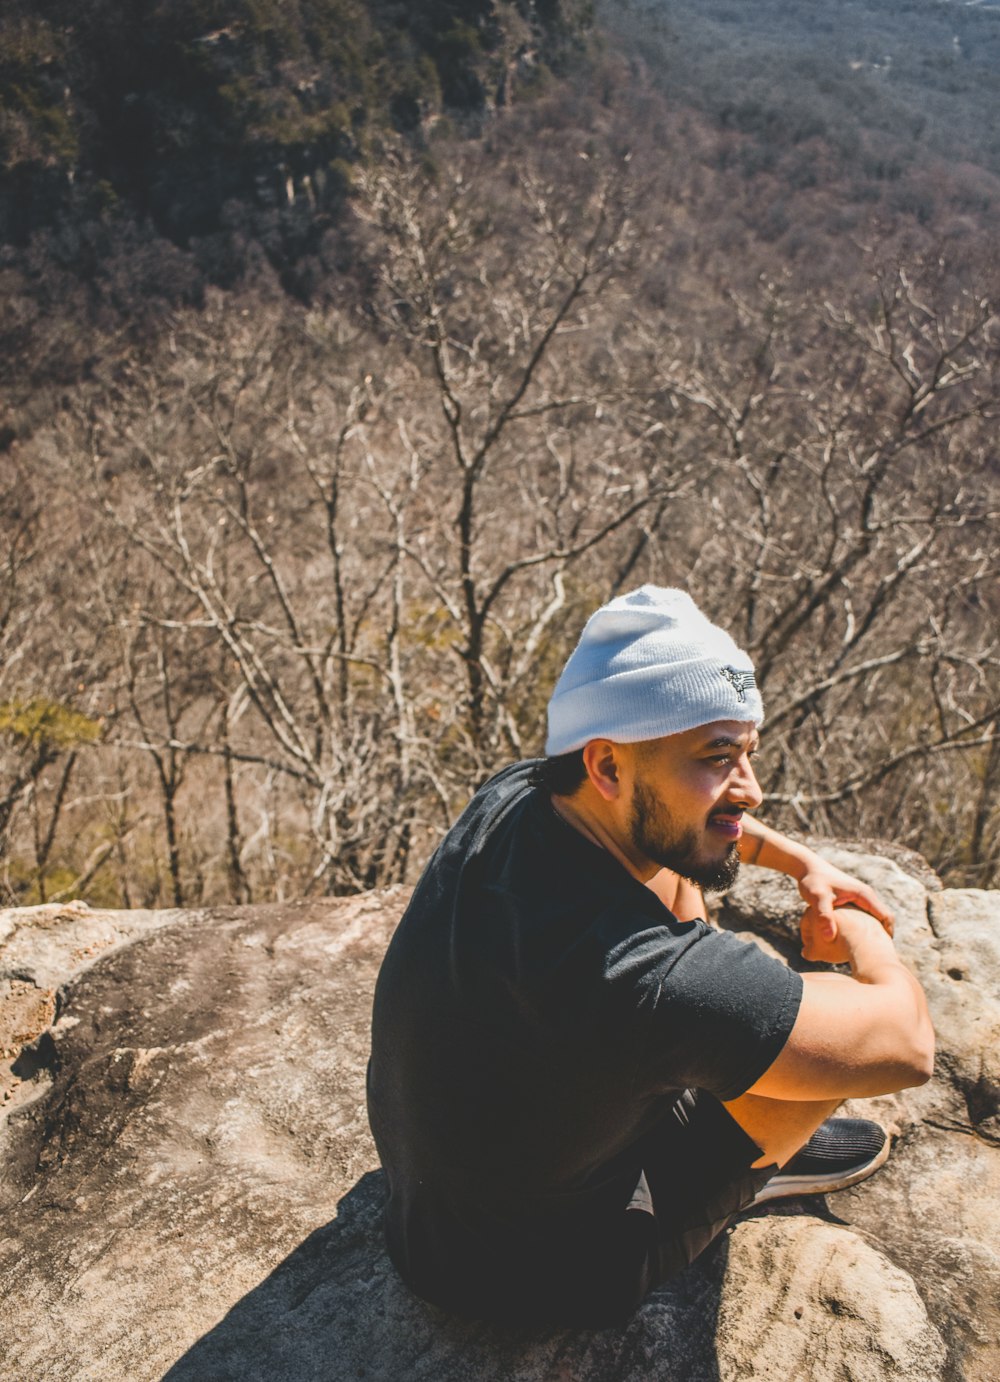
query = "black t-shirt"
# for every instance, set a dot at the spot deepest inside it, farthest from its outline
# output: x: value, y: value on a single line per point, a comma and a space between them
x: 536, y: 1014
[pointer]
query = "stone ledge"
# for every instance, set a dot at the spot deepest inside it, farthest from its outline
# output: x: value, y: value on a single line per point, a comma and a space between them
x: 190, y: 1190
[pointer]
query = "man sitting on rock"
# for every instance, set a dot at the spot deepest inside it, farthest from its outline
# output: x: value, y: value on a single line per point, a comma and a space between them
x: 576, y: 1082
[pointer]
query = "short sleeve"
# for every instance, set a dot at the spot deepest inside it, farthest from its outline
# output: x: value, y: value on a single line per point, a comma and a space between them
x: 714, y: 1014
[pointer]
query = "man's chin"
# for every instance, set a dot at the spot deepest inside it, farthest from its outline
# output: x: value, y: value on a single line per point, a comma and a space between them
x: 715, y: 875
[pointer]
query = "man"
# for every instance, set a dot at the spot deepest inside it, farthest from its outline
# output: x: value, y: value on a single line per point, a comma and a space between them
x: 575, y: 1081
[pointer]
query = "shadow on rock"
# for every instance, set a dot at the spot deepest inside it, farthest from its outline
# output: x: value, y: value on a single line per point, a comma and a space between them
x: 336, y: 1310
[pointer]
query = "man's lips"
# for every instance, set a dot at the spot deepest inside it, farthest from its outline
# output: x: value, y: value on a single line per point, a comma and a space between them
x: 727, y: 823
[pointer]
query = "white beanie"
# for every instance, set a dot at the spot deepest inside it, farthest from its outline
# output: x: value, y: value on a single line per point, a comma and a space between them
x: 648, y: 664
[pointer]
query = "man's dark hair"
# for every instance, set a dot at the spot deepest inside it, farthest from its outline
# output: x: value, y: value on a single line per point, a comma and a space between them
x: 562, y: 774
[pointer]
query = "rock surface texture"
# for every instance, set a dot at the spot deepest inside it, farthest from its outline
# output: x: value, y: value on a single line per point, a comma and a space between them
x: 189, y: 1189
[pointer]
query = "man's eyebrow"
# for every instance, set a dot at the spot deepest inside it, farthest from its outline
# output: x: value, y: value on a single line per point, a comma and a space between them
x: 725, y: 741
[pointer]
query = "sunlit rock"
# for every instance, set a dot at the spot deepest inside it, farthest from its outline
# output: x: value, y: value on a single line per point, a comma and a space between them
x: 189, y: 1189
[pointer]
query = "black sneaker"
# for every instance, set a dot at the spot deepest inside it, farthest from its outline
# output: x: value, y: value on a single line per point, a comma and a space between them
x: 840, y: 1152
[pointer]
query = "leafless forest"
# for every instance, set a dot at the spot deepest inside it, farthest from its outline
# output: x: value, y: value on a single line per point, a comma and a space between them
x: 282, y: 584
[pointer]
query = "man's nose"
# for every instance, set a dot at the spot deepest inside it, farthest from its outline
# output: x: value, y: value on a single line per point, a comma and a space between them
x: 743, y: 785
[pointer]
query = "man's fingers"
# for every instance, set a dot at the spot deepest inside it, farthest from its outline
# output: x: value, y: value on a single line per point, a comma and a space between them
x: 806, y: 930
x: 824, y: 888
x: 816, y: 924
x: 822, y: 912
x: 868, y: 901
x: 871, y: 902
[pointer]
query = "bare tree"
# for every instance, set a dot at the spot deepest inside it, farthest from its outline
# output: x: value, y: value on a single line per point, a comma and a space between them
x: 855, y: 538
x: 42, y: 728
x: 334, y: 558
x: 502, y: 283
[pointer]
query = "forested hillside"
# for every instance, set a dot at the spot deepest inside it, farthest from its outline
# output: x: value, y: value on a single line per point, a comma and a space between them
x: 170, y: 110
x: 847, y: 109
x: 151, y: 150
x: 356, y: 352
x: 921, y: 74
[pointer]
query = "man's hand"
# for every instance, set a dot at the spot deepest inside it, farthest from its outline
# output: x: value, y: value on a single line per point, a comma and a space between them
x: 867, y: 1033
x: 825, y: 944
x: 824, y: 888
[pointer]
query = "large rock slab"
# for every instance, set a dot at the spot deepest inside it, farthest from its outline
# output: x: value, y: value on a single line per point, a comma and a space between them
x: 807, y: 1299
x: 934, y: 1210
x: 188, y: 1188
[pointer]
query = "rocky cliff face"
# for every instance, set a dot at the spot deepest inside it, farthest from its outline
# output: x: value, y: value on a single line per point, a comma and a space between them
x: 189, y: 1190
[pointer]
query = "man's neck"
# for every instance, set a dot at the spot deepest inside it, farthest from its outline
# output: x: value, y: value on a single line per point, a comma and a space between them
x: 592, y: 825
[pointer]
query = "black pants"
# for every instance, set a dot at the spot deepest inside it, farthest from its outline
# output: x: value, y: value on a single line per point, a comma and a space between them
x: 698, y: 1173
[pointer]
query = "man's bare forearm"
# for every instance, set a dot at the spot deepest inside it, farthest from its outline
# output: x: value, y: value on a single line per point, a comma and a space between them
x: 873, y: 960
x: 759, y: 844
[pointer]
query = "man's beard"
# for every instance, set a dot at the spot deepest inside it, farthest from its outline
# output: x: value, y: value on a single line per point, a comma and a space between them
x: 655, y: 834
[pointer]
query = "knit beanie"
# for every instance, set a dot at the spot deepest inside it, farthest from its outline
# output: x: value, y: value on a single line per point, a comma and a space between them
x: 648, y: 664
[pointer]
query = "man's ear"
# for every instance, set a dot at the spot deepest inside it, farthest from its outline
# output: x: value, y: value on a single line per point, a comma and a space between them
x: 601, y: 759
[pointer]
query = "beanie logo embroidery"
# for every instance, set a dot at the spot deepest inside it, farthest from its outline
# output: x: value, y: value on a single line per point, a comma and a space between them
x: 741, y: 682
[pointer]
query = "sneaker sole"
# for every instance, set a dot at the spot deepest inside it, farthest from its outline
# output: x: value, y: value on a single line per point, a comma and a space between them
x: 782, y: 1188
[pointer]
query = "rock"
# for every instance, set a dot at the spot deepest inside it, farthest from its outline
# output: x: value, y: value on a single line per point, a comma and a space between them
x: 189, y: 1189
x: 935, y: 1208
x: 807, y: 1299
x: 966, y: 925
x: 47, y: 945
